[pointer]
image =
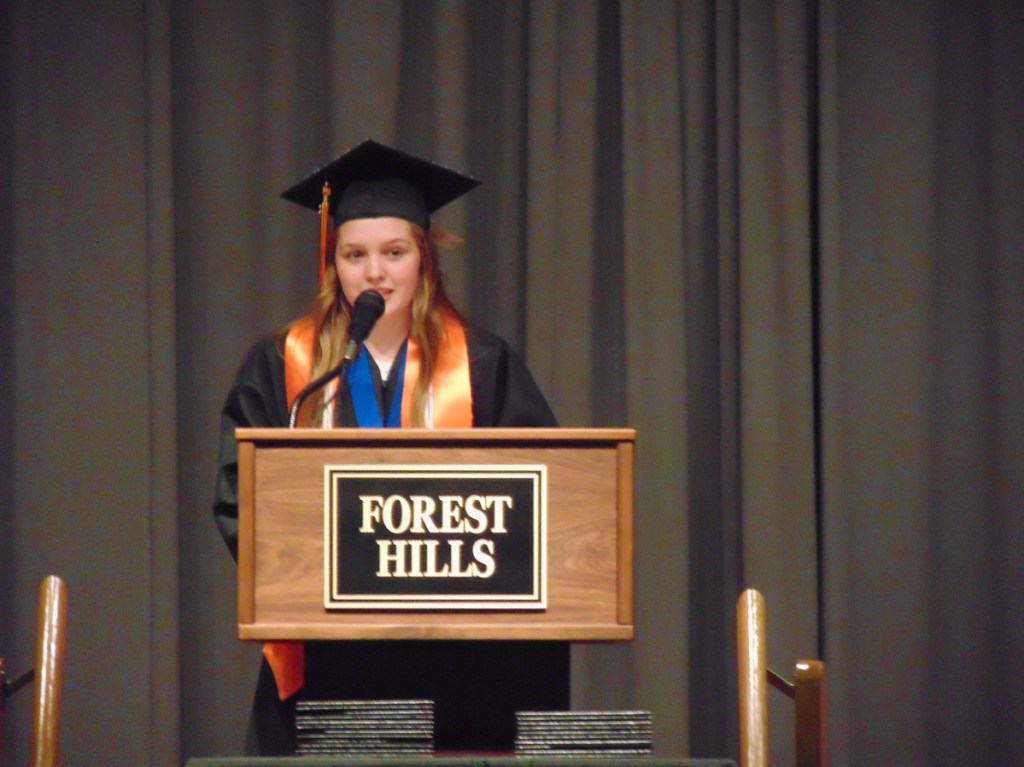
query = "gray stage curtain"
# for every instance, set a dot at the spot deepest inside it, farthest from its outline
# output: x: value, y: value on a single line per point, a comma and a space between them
x: 922, y: 382
x: 781, y: 239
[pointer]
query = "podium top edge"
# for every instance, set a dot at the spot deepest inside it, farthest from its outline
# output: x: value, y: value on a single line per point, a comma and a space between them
x: 510, y: 435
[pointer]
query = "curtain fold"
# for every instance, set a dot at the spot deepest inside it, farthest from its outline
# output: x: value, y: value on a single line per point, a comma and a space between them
x: 164, y: 730
x: 656, y: 360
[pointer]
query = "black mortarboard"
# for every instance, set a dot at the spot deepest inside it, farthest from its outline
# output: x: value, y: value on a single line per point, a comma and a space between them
x: 373, y: 180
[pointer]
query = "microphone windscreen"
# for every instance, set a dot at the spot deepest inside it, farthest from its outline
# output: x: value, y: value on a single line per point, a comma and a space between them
x: 368, y: 308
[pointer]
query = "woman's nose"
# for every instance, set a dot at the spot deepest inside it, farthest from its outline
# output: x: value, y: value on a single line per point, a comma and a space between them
x: 374, y: 268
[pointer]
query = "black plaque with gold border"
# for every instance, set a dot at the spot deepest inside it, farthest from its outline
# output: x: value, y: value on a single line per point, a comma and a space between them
x: 426, y: 537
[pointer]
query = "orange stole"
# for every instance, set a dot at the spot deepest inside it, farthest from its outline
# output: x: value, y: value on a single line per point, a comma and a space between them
x: 452, y: 407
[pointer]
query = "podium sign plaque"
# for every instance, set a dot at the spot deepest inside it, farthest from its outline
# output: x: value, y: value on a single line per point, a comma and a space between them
x: 436, y: 534
x: 440, y: 537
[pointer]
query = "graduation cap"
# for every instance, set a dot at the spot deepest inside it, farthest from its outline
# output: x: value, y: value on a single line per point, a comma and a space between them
x: 373, y: 181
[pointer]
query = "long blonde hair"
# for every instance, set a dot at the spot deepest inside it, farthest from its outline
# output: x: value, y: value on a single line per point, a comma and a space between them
x: 331, y: 314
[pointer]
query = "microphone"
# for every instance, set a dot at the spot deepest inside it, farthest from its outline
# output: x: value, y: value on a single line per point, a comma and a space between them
x: 368, y: 308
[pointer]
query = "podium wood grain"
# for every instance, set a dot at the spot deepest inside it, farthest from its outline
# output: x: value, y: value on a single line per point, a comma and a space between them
x: 589, y: 526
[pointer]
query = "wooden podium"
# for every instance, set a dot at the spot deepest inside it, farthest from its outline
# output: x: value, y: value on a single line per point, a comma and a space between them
x: 587, y: 535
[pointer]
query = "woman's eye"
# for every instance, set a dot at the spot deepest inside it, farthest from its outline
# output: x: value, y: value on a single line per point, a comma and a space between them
x: 351, y: 254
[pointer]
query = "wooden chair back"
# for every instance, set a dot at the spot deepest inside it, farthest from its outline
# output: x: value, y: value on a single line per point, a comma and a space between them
x: 808, y: 691
x: 48, y: 675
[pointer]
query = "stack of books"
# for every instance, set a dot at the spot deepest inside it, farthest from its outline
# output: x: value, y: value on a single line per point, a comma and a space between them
x: 583, y: 733
x: 364, y: 727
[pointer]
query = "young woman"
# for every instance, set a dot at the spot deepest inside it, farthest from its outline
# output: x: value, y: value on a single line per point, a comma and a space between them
x: 422, y: 366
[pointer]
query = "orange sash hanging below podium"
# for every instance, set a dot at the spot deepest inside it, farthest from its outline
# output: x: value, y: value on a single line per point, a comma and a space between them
x: 451, y: 402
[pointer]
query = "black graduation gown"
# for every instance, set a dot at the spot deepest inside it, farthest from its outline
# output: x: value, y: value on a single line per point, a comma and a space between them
x: 476, y: 686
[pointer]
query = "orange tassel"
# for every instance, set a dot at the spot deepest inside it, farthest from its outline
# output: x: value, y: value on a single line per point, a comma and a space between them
x: 324, y: 223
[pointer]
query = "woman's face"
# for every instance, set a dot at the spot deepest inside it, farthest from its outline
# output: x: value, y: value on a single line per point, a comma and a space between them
x: 379, y: 254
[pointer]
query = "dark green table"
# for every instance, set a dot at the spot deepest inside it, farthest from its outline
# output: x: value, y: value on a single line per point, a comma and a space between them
x: 446, y: 761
